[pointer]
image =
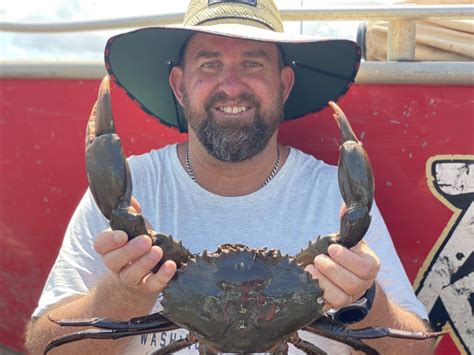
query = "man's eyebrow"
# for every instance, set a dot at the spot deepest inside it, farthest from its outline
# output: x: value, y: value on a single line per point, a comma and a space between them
x: 207, y: 54
x: 257, y: 54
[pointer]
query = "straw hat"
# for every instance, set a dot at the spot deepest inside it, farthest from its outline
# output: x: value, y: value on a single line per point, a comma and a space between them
x: 140, y: 61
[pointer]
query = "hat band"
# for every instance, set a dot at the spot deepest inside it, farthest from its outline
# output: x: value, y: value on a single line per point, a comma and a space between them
x: 247, y: 2
x: 236, y: 20
x: 262, y: 13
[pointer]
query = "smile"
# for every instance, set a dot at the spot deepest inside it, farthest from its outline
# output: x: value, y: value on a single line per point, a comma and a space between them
x: 233, y: 109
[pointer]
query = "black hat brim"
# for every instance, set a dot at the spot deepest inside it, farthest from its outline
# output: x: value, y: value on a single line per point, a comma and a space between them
x: 140, y: 61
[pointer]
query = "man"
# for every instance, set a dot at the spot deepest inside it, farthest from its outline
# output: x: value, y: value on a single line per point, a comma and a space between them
x: 230, y: 182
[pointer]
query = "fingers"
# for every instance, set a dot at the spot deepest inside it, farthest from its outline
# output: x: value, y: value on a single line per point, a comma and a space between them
x: 333, y: 295
x: 360, y: 260
x: 342, y: 210
x: 136, y: 205
x: 132, y: 261
x: 109, y: 240
x: 132, y: 252
x: 138, y: 277
x: 157, y: 282
x: 137, y: 274
x: 346, y: 274
x: 134, y: 272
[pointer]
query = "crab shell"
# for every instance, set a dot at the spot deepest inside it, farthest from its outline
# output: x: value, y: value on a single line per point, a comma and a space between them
x: 252, y: 297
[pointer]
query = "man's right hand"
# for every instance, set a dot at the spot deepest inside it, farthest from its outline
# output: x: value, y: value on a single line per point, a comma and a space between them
x: 131, y: 261
x: 129, y: 290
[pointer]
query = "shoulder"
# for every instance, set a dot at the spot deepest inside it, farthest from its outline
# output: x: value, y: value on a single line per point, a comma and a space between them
x: 153, y: 161
x: 152, y: 172
x: 308, y: 166
x: 307, y: 178
x: 153, y: 156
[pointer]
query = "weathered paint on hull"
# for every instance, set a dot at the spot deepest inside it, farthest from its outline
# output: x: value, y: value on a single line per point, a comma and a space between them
x: 42, y: 125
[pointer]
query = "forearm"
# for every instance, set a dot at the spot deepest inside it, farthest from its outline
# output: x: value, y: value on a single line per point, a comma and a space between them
x: 107, y: 300
x: 385, y: 313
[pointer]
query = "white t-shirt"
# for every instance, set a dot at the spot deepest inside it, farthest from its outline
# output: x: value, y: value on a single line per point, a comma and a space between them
x: 300, y: 203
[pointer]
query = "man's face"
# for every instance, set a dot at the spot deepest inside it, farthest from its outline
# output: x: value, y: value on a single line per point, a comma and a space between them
x: 233, y: 93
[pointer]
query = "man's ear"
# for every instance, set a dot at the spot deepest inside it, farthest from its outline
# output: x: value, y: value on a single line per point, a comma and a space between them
x: 287, y: 80
x: 176, y: 83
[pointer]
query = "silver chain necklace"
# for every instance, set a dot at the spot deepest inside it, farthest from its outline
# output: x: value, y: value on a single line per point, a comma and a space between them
x: 191, y: 174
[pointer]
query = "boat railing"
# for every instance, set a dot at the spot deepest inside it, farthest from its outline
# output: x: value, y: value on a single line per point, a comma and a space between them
x: 400, y: 67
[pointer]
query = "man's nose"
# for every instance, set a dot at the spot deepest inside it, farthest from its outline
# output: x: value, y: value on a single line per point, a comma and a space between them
x: 232, y: 82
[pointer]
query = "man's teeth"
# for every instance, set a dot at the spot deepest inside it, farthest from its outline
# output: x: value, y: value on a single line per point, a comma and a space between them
x: 233, y: 109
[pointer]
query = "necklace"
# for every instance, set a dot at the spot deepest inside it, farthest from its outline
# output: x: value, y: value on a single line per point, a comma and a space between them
x: 191, y: 174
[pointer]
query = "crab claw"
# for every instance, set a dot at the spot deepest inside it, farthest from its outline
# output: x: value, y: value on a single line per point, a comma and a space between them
x: 107, y: 168
x: 110, y: 180
x: 356, y: 183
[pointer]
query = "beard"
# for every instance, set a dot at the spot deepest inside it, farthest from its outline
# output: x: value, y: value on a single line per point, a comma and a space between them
x: 232, y: 140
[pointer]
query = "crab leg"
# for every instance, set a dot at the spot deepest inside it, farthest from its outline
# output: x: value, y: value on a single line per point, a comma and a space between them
x: 111, y: 329
x: 176, y: 346
x: 329, y: 328
x: 110, y: 180
x: 356, y: 184
x: 305, y: 346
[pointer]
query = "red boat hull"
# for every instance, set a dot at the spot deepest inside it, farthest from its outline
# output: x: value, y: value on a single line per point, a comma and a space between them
x: 42, y: 125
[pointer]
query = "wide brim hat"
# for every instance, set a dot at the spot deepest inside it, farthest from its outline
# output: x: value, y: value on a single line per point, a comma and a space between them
x: 140, y: 61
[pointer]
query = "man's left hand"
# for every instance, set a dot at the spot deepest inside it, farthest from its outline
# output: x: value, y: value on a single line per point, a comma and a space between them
x: 346, y: 274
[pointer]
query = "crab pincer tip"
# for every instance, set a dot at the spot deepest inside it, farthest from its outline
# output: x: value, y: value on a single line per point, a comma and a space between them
x: 104, y: 86
x: 75, y: 322
x: 338, y: 113
x: 52, y: 319
x: 334, y: 106
x: 344, y: 125
x: 102, y: 120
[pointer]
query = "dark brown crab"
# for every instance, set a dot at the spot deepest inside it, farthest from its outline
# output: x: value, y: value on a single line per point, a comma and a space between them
x: 236, y: 299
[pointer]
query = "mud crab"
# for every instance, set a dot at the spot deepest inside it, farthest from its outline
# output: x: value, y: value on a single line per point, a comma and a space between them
x: 236, y: 299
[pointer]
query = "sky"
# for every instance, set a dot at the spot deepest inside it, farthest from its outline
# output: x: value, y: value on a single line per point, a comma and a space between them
x: 89, y: 45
